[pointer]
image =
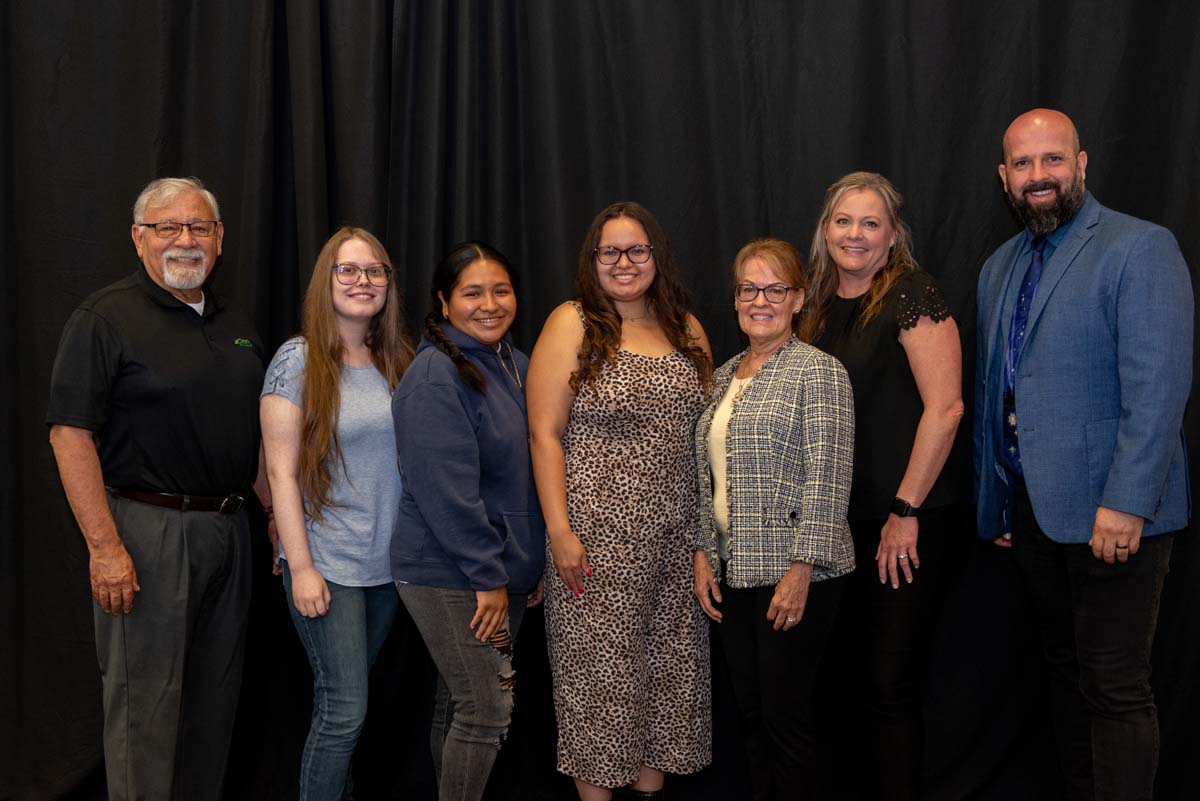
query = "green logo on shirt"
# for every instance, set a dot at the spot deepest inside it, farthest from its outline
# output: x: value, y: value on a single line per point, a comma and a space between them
x: 243, y: 343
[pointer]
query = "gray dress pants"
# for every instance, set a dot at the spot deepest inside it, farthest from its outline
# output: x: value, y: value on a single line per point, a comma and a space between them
x: 172, y: 668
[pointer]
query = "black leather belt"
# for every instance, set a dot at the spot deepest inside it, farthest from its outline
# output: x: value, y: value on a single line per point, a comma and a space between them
x: 226, y: 505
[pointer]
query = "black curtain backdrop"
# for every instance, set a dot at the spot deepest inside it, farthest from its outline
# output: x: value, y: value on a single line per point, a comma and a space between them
x: 429, y: 122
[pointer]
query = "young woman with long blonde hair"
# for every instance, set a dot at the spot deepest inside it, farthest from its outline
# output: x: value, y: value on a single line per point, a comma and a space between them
x: 331, y: 462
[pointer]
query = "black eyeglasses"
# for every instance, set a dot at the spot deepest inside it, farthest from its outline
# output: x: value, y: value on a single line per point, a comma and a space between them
x: 347, y: 273
x: 774, y: 293
x: 638, y: 254
x: 169, y: 229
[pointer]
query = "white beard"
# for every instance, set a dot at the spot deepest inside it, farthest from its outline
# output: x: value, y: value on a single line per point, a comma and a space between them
x: 182, y: 276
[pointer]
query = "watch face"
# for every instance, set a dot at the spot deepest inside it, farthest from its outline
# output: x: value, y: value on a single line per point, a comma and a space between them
x: 902, y: 508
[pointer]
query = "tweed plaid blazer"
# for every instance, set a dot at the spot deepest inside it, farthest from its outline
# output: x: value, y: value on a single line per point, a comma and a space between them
x: 790, y: 451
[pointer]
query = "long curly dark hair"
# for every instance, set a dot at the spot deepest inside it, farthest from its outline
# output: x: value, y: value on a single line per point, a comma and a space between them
x: 666, y: 299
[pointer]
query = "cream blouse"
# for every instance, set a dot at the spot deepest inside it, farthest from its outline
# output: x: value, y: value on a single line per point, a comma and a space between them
x: 719, y: 461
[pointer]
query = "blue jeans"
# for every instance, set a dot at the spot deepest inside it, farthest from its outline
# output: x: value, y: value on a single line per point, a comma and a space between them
x: 341, y: 646
x: 474, y: 700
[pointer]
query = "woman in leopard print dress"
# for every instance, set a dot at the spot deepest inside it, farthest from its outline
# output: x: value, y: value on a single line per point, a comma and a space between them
x: 616, y: 382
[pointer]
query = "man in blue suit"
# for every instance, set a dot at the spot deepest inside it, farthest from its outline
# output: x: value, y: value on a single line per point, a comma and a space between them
x: 1084, y: 366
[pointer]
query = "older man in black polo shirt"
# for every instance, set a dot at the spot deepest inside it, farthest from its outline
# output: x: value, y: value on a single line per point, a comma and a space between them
x: 154, y: 425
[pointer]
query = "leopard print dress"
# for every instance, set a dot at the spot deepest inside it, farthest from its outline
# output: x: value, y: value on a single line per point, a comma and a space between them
x: 630, y: 656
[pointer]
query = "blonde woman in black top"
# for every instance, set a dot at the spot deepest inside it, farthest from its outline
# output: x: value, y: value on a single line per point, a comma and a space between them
x: 873, y: 308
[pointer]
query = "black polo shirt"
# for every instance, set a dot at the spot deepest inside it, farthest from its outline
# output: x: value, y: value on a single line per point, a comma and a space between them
x: 171, y: 395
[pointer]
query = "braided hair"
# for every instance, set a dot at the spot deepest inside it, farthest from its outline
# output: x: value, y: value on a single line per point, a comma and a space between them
x: 445, y: 279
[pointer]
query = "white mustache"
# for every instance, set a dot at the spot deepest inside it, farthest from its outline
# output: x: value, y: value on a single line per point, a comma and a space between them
x: 187, y: 254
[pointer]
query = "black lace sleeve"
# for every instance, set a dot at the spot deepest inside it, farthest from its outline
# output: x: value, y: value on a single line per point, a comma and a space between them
x: 917, y: 296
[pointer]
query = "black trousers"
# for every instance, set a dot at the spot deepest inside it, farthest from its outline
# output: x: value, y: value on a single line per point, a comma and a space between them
x: 172, y: 667
x: 877, y: 673
x: 773, y: 675
x: 1096, y: 622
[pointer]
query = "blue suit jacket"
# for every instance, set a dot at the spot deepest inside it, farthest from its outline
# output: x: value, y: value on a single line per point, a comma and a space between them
x: 1102, y: 379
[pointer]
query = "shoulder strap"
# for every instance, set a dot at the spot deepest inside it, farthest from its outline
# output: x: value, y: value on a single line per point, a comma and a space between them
x: 579, y: 310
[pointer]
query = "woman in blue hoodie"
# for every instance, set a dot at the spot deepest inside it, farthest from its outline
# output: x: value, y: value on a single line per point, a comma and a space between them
x: 470, y: 542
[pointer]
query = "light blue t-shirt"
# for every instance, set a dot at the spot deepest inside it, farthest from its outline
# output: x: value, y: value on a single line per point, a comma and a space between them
x: 350, y: 544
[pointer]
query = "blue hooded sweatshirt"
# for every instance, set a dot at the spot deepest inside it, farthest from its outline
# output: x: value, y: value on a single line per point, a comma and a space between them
x: 469, y: 515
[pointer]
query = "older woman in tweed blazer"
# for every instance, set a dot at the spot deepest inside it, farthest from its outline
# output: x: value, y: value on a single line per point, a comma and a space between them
x: 774, y: 458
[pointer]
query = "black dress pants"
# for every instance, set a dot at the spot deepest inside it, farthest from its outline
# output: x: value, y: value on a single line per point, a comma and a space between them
x: 878, y: 669
x: 773, y: 675
x: 1097, y: 623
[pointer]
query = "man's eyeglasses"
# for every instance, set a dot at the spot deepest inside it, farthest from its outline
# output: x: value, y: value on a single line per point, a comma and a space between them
x: 169, y: 229
x: 347, y: 273
x: 774, y: 293
x: 638, y: 254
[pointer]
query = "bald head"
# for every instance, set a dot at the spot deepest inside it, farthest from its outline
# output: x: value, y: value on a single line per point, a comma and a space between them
x: 1041, y: 121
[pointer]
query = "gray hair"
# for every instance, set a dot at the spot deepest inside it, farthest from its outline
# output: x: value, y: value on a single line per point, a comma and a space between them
x: 163, y: 191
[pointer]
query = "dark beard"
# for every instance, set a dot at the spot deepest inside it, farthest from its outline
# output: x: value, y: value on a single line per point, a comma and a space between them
x: 1041, y: 220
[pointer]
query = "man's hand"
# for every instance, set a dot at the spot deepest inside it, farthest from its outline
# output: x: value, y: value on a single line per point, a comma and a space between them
x: 114, y: 581
x: 1116, y: 536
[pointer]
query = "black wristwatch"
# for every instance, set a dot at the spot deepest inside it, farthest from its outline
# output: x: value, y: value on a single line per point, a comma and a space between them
x: 902, y: 508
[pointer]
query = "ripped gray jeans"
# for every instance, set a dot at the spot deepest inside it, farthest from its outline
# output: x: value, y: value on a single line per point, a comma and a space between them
x: 476, y: 682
